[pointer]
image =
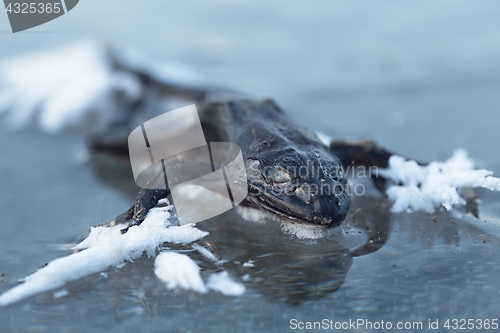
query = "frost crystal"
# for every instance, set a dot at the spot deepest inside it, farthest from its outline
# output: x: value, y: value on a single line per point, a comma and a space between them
x: 426, y: 188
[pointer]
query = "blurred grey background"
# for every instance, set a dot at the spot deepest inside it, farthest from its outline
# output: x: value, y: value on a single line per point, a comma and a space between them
x: 419, y: 77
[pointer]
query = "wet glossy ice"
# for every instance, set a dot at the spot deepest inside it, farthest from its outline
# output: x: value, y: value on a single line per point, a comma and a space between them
x: 336, y: 69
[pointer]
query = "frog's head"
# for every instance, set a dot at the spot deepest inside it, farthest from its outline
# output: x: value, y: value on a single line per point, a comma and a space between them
x: 289, y: 172
x: 303, y: 186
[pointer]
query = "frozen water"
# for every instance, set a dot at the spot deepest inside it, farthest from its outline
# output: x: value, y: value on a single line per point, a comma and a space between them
x: 426, y: 188
x: 106, y: 247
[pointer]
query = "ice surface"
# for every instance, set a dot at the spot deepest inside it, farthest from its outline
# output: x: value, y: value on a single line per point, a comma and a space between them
x: 254, y: 215
x: 303, y: 231
x: 206, y: 253
x: 426, y: 188
x: 105, y: 247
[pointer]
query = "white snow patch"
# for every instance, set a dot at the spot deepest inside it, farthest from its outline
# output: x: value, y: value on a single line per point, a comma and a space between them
x: 249, y: 263
x: 426, y: 188
x: 60, y: 294
x: 57, y: 86
x: 76, y: 86
x: 105, y: 247
x: 222, y: 283
x: 487, y: 224
x: 324, y: 138
x: 179, y: 271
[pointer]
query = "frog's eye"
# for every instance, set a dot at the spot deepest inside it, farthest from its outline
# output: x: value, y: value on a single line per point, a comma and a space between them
x: 278, y: 175
x: 252, y: 168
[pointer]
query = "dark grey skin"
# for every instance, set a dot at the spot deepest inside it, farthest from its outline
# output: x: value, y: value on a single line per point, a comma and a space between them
x: 290, y: 173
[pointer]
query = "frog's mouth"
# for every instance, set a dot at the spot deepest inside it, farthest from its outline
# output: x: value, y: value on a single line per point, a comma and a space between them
x: 320, y: 200
x: 326, y: 211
